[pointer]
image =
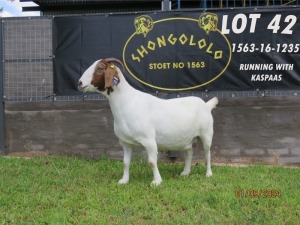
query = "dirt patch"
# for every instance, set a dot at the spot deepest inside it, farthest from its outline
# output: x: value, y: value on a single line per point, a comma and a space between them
x: 216, y: 162
x: 29, y: 154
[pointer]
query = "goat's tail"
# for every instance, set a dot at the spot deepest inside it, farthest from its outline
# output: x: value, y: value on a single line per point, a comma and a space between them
x: 212, y: 103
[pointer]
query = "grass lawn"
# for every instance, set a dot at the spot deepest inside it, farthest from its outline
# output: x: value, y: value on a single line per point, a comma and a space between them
x: 70, y: 190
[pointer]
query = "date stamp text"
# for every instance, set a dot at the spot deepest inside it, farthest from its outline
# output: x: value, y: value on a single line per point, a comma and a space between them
x: 253, y: 193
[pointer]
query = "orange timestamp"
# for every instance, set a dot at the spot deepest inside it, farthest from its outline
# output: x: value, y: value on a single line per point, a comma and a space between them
x: 254, y: 193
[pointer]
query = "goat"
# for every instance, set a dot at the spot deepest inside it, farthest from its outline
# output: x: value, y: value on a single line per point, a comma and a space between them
x: 141, y: 119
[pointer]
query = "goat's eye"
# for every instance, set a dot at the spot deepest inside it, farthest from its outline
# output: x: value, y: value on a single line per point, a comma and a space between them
x: 99, y: 69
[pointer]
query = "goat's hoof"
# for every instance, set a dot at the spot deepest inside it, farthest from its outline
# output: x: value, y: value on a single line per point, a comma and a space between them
x: 185, y: 173
x: 209, y: 174
x: 123, y: 181
x: 156, y: 182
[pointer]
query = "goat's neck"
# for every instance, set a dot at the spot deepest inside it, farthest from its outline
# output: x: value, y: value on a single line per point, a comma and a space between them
x: 121, y: 95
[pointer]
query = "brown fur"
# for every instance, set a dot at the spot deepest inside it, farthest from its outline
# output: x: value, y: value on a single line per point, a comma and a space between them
x: 103, y: 76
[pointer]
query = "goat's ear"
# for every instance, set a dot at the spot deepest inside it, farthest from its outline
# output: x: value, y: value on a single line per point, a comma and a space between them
x: 111, y: 77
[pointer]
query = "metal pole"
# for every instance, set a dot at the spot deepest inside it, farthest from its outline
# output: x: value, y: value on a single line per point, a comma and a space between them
x: 2, y: 114
x: 165, y: 5
x: 203, y: 4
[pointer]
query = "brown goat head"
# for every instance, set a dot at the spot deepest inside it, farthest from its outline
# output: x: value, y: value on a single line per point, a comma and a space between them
x: 105, y: 76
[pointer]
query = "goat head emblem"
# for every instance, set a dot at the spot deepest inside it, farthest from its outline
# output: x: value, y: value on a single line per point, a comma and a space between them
x: 208, y: 22
x: 143, y: 24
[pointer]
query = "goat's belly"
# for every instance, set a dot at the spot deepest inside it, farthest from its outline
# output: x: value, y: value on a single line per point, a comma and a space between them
x: 174, y: 147
x: 175, y: 144
x: 177, y: 137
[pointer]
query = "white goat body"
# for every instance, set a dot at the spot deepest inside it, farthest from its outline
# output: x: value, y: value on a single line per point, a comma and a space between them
x: 141, y: 119
x: 174, y: 123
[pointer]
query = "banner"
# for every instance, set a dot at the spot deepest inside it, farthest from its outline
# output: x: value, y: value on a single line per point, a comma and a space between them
x: 240, y: 49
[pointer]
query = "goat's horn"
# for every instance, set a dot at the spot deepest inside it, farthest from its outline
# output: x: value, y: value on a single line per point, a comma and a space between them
x: 115, y: 60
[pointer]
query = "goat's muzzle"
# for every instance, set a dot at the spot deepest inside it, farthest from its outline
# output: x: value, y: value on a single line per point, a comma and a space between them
x: 81, y: 87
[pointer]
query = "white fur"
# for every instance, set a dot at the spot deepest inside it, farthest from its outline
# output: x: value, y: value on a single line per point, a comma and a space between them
x: 141, y: 119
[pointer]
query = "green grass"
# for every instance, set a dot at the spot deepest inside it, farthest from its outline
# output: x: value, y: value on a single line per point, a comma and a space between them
x: 69, y: 190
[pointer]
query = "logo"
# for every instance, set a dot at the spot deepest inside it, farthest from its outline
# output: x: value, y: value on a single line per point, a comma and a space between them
x: 177, y: 54
x: 143, y: 24
x: 208, y: 22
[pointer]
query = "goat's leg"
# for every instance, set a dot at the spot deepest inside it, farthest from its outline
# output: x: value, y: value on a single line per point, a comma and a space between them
x: 126, y: 160
x: 151, y: 148
x: 188, y: 155
x: 207, y: 140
